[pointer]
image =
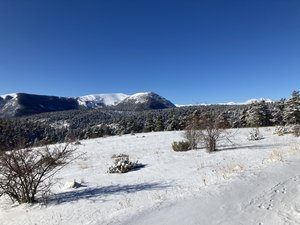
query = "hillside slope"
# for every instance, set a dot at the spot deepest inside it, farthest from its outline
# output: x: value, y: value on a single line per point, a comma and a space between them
x: 252, y: 182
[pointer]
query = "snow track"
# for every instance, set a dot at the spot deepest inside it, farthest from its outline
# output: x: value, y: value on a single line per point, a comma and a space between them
x: 271, y: 196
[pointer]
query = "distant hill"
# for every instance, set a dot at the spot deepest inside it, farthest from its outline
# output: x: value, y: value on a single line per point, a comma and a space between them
x: 22, y: 104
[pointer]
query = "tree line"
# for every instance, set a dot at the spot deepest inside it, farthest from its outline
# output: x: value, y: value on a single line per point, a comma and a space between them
x: 55, y: 127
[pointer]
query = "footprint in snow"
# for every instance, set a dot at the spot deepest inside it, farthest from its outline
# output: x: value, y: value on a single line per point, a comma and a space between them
x: 270, y: 206
x: 261, y: 206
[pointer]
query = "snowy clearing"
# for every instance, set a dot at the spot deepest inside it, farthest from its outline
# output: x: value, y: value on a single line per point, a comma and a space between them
x: 250, y: 182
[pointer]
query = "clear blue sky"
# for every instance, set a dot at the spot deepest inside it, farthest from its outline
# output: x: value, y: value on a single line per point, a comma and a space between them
x: 187, y: 51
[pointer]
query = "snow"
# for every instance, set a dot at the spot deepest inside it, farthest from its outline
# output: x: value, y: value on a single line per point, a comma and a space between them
x: 250, y: 182
x: 13, y: 95
x: 267, y: 100
x: 139, y: 97
x: 250, y: 101
x: 106, y: 99
x: 12, y: 104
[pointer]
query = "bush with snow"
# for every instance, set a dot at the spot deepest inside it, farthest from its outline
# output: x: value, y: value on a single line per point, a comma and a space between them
x: 181, y: 146
x: 282, y: 130
x: 122, y: 164
x: 255, y: 135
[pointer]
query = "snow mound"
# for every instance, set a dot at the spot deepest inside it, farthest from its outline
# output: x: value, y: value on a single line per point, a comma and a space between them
x: 72, y: 185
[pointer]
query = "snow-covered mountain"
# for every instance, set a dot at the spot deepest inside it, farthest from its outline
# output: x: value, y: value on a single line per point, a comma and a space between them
x: 20, y: 104
x: 146, y: 100
x: 101, y: 100
x: 138, y: 101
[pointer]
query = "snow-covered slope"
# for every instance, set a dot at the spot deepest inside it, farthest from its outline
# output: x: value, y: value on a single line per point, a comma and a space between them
x: 139, y: 97
x: 9, y: 104
x: 146, y: 100
x: 250, y: 182
x: 101, y: 100
x: 269, y: 196
x: 12, y: 95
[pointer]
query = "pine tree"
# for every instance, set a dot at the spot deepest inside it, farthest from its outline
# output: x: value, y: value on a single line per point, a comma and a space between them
x: 159, y: 125
x: 149, y: 124
x: 258, y: 114
x: 173, y: 123
x: 291, y: 113
x: 277, y: 113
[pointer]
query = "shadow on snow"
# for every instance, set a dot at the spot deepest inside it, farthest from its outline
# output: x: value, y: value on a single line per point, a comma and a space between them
x: 91, y: 193
x: 249, y: 146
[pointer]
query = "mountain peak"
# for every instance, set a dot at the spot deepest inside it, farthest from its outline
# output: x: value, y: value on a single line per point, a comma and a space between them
x: 144, y: 101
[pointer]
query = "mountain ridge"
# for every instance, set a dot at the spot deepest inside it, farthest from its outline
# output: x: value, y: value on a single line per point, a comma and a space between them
x: 22, y: 104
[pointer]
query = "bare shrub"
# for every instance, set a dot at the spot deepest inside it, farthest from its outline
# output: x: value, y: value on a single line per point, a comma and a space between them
x: 27, y: 172
x: 191, y: 133
x: 181, y: 146
x: 208, y: 128
x: 276, y: 155
x: 211, y: 130
x: 294, y: 148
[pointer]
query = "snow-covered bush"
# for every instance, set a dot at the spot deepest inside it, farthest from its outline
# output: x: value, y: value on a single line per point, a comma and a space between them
x: 122, y: 164
x: 255, y: 135
x: 181, y: 146
x: 282, y: 130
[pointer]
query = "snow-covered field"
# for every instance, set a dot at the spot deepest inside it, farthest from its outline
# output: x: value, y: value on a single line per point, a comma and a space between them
x: 250, y: 182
